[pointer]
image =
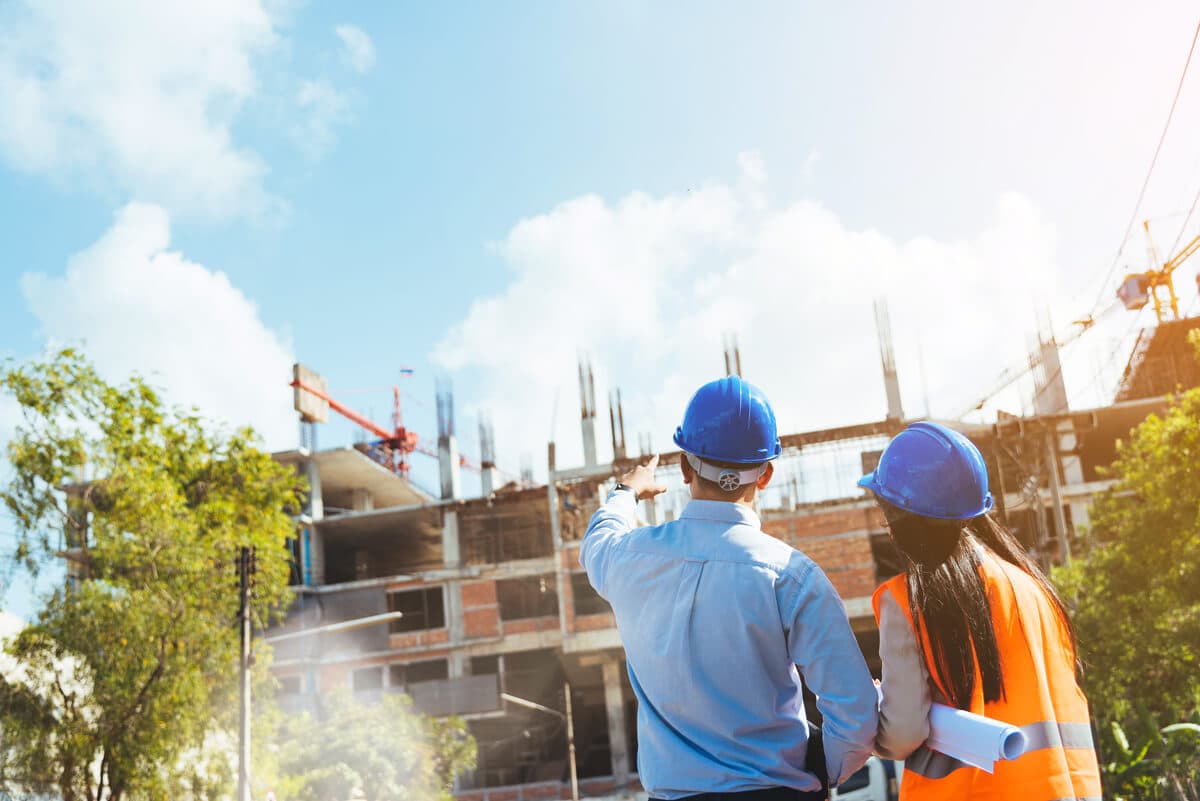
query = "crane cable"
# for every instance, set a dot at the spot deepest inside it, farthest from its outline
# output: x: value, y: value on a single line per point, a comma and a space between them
x: 1146, y: 182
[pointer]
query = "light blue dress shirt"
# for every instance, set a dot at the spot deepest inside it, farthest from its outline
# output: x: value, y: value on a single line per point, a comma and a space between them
x: 716, y: 617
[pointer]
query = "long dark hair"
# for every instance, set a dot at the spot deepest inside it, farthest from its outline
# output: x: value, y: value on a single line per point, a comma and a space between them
x: 948, y: 600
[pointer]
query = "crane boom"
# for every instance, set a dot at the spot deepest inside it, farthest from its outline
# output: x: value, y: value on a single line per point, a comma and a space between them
x: 401, y: 440
x: 1014, y: 373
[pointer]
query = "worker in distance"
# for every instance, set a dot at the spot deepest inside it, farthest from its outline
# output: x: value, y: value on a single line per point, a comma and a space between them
x: 723, y: 624
x: 974, y: 624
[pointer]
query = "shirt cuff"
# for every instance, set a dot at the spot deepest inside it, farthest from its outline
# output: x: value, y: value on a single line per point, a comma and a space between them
x: 624, y: 503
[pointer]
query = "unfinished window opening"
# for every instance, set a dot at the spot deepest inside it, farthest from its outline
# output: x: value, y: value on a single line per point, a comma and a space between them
x: 370, y: 678
x: 507, y: 535
x: 421, y: 609
x: 485, y: 665
x: 528, y: 596
x: 587, y: 600
x: 535, y: 676
x: 412, y: 673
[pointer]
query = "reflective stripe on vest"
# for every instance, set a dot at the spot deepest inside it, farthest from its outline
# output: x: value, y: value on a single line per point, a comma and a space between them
x: 1044, y: 734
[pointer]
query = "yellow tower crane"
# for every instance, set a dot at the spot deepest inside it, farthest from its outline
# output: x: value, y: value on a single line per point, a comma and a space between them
x: 1138, y: 289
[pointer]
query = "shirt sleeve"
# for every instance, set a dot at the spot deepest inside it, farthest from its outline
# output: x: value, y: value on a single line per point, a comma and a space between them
x: 825, y: 651
x: 905, y: 697
x: 611, y: 522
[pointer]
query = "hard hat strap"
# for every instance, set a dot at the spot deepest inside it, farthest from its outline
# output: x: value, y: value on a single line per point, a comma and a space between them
x: 726, y: 478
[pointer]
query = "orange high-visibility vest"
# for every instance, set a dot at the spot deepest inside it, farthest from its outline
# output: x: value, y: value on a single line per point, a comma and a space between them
x: 1042, y: 698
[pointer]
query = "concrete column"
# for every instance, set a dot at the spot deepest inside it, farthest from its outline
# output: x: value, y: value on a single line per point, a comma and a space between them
x: 1072, y: 469
x: 452, y: 558
x: 451, y: 554
x: 588, y: 426
x: 614, y: 704
x: 312, y: 548
x: 449, y: 468
x: 456, y: 628
x: 362, y: 500
x: 487, y: 481
x: 560, y: 577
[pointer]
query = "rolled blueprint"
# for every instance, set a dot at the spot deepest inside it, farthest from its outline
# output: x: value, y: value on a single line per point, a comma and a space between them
x: 974, y: 739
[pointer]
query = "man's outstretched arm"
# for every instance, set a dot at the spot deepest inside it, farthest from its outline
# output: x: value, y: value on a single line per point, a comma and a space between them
x: 616, y: 518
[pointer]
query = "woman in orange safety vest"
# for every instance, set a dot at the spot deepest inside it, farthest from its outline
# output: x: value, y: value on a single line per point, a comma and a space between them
x: 974, y: 624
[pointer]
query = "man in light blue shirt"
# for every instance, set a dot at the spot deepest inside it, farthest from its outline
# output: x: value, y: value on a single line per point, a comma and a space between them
x: 723, y: 624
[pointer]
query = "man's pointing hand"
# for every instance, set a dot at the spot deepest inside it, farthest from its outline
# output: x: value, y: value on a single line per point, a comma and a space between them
x: 642, y: 481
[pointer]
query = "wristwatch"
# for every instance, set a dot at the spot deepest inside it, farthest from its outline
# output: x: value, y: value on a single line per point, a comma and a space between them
x: 621, y: 486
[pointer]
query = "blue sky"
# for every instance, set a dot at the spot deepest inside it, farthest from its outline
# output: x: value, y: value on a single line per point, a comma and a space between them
x: 480, y: 190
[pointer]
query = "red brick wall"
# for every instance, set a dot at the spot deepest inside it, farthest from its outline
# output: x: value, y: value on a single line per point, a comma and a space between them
x: 547, y: 623
x: 418, y: 639
x: 594, y: 622
x: 838, y: 540
x: 481, y: 610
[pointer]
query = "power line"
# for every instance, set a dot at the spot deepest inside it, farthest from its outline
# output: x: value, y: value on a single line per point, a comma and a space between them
x: 1146, y: 182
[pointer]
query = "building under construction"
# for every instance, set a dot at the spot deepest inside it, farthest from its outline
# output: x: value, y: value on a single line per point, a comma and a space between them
x: 499, y: 623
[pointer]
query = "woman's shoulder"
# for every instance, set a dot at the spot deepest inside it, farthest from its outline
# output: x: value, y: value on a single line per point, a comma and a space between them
x: 897, y: 586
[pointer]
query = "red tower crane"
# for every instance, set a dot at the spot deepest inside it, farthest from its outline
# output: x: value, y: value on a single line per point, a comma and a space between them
x: 391, y: 449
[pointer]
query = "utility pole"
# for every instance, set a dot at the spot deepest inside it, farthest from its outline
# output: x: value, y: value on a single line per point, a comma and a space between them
x: 245, y: 568
x: 571, y: 743
x: 569, y: 717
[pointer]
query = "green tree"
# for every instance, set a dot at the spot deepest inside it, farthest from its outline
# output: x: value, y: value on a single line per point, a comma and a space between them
x: 125, y: 683
x: 380, y: 752
x: 1136, y: 599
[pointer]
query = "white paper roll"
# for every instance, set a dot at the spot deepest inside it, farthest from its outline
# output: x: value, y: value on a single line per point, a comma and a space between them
x: 973, y: 739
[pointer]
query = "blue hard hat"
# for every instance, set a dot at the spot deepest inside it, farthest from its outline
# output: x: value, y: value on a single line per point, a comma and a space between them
x: 932, y: 471
x: 729, y: 420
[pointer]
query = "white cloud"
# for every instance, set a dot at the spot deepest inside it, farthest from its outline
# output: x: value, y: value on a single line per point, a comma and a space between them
x: 140, y: 96
x: 322, y: 108
x: 649, y: 285
x: 358, y: 52
x: 139, y: 307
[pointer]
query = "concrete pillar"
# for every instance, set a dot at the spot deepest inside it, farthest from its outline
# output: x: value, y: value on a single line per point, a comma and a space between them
x: 614, y: 705
x: 452, y: 558
x: 1050, y: 396
x: 451, y: 554
x: 312, y: 546
x: 588, y: 426
x: 361, y: 500
x: 449, y: 468
x: 560, y: 577
x: 1072, y: 469
x: 456, y: 628
x: 487, y: 480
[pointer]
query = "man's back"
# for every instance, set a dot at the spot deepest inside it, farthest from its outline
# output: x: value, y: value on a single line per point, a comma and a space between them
x: 715, y: 616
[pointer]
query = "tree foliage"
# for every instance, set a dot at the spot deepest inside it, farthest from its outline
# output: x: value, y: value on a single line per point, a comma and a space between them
x: 380, y: 752
x: 1136, y: 599
x: 125, y: 682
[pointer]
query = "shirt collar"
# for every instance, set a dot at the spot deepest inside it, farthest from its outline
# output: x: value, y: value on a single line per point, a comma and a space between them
x: 720, y: 512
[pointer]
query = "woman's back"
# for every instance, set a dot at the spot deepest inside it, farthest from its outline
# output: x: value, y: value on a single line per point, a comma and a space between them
x: 1042, y: 697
